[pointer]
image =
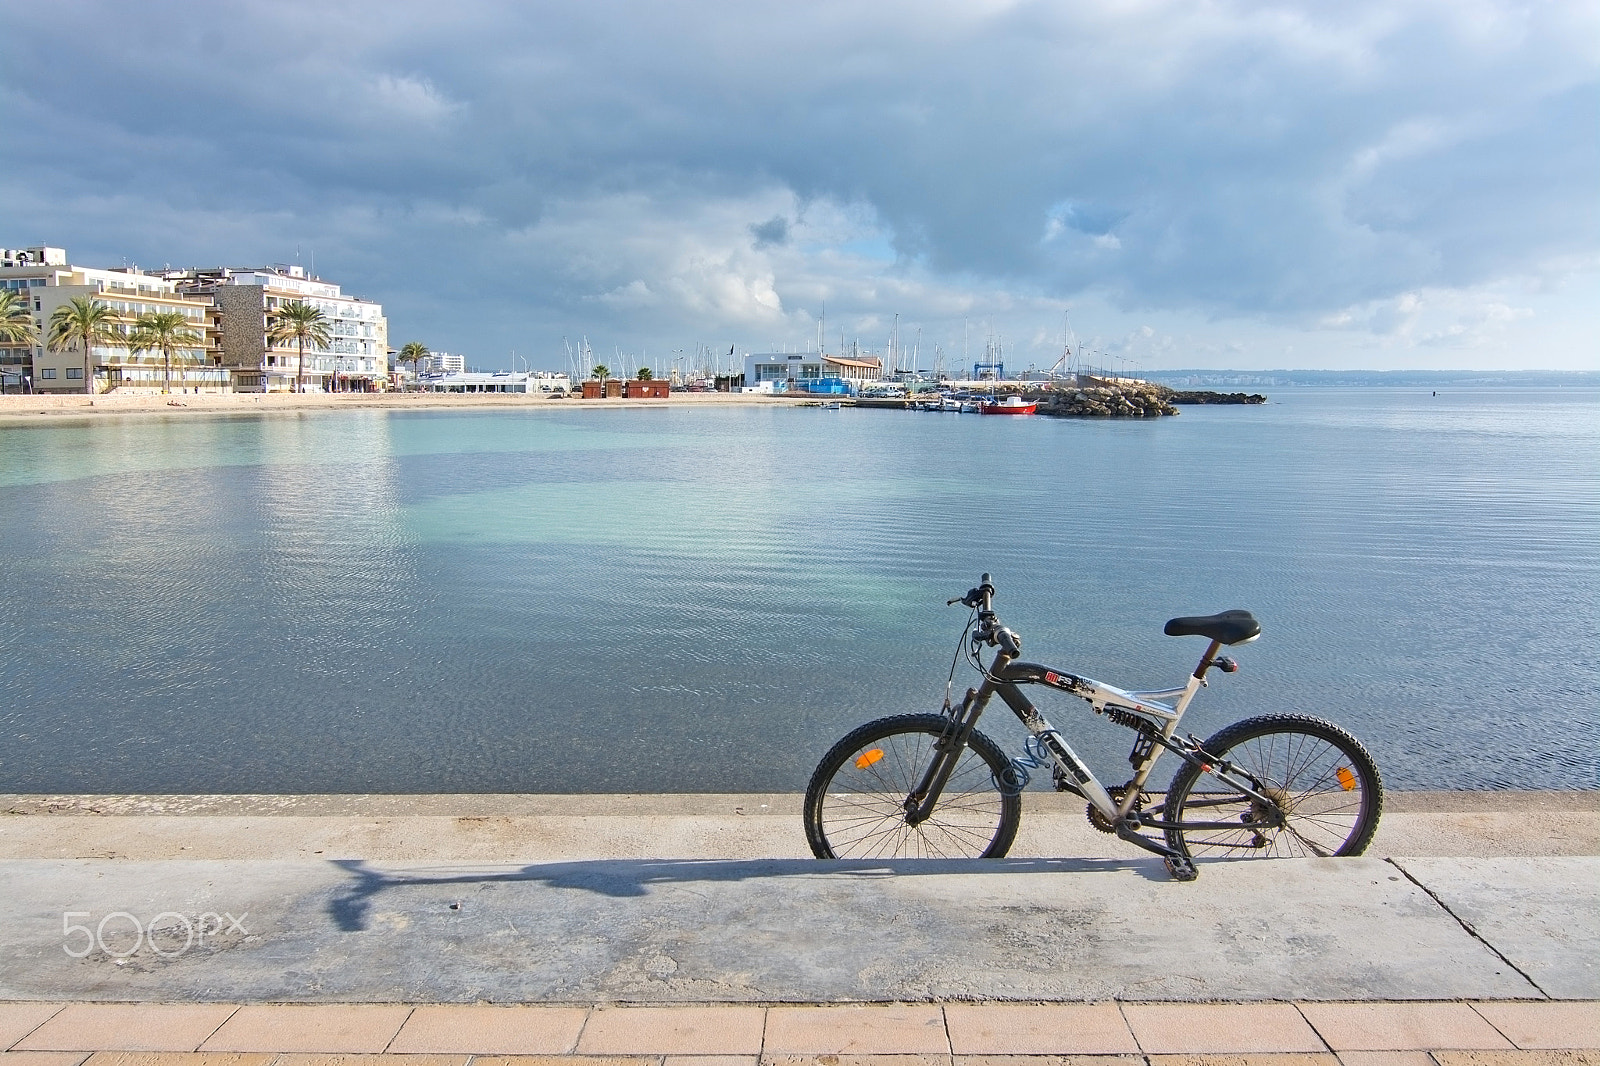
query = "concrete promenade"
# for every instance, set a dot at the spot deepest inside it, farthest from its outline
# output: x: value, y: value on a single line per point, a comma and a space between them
x: 693, y: 931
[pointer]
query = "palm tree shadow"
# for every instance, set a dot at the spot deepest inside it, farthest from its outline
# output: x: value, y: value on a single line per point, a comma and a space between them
x: 624, y: 878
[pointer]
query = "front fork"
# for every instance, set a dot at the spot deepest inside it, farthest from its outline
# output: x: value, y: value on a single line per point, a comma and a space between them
x: 960, y: 722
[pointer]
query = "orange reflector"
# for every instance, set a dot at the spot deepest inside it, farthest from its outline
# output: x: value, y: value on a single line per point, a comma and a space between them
x: 1347, y: 780
x: 867, y: 758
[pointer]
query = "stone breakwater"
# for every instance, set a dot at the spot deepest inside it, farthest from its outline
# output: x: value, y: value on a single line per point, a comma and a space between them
x: 1127, y: 399
x: 1123, y: 400
x: 1218, y: 397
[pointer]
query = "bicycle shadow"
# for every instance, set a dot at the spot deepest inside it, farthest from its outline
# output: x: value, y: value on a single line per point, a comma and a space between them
x: 624, y: 878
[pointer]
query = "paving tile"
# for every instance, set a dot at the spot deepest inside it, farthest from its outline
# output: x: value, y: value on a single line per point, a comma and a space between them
x: 42, y: 1058
x: 1048, y: 1060
x: 1518, y: 1058
x: 566, y: 1060
x: 1252, y: 1058
x: 1220, y: 1028
x: 869, y: 1030
x: 354, y: 1058
x: 1053, y: 1029
x: 711, y: 1060
x: 17, y: 1020
x: 856, y: 1060
x: 1386, y: 1058
x: 484, y: 1030
x: 672, y: 1031
x: 1401, y: 1026
x: 309, y: 1027
x: 1545, y: 1025
x: 127, y: 1027
x: 181, y: 1058
x: 1257, y: 1058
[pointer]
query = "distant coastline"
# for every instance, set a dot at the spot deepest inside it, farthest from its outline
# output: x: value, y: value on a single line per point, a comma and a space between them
x: 1421, y: 379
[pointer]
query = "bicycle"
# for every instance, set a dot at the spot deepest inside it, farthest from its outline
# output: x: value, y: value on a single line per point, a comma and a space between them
x: 931, y: 786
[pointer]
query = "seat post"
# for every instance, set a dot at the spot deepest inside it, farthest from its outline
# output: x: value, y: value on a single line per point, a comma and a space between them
x: 1206, y: 659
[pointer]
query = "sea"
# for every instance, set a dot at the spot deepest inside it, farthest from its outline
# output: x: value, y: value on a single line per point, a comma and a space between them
x: 702, y: 598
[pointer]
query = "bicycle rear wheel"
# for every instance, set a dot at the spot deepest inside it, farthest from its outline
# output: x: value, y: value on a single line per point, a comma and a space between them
x: 855, y: 804
x: 1319, y: 775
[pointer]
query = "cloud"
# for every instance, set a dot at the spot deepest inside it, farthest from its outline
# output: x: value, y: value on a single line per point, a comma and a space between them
x: 1276, y: 165
x: 771, y: 232
x: 408, y: 99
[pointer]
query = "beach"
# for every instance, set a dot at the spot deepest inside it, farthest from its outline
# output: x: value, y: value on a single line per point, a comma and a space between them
x: 41, y: 408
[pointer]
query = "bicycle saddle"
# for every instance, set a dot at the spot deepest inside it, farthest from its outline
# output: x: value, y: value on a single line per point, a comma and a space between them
x: 1230, y: 627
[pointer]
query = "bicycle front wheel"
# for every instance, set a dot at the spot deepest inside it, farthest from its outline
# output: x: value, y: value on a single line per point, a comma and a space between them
x: 856, y: 802
x: 1318, y: 775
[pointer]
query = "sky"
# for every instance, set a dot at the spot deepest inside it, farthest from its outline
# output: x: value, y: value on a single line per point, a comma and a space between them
x: 1403, y: 184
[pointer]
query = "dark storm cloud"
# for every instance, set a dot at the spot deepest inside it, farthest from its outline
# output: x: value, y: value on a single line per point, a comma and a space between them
x: 606, y: 159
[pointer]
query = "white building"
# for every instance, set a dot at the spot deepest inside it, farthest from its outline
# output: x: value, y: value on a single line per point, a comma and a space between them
x: 796, y: 371
x: 538, y: 383
x: 50, y: 282
x: 443, y: 363
x: 355, y: 360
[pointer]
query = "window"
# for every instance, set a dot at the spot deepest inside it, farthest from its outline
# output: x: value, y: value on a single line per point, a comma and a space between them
x: 47, y: 373
x: 75, y: 373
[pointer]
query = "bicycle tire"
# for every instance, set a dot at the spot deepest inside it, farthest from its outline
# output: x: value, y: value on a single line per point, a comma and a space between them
x: 1322, y: 776
x: 855, y: 802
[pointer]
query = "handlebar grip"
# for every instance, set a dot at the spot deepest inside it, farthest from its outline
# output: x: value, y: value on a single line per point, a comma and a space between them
x: 979, y: 598
x: 1009, y: 642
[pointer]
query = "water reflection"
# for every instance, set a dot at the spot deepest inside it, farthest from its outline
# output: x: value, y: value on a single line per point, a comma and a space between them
x: 704, y: 599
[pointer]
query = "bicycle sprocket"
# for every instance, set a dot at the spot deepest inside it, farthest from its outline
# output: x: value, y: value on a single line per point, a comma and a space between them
x: 1104, y: 824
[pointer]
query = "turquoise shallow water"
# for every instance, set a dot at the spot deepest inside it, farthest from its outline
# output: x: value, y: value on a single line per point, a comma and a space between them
x: 688, y: 599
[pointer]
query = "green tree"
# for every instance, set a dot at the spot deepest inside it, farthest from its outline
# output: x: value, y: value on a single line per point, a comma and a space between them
x: 645, y: 374
x: 85, y: 321
x: 414, y: 352
x: 298, y: 321
x: 162, y: 331
x: 602, y: 372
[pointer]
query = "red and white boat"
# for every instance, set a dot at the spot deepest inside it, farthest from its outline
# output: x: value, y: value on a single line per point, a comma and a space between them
x: 1011, y: 405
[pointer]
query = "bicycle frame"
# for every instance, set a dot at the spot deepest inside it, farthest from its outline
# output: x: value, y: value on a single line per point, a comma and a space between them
x: 1153, y: 714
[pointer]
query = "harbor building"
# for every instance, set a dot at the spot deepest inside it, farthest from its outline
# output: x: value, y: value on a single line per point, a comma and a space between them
x: 355, y: 360
x: 801, y: 371
x: 50, y: 281
x: 538, y: 382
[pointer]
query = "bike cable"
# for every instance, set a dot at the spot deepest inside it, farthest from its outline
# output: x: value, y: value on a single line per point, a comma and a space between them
x: 955, y: 659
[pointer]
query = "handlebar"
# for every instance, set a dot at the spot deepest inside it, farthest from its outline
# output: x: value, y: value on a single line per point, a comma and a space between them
x: 989, y: 630
x: 979, y: 599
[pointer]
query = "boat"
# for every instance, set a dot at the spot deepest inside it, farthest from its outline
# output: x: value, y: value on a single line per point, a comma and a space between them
x: 1011, y: 405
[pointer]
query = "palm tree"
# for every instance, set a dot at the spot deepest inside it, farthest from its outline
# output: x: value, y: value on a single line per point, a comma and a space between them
x: 602, y: 372
x: 645, y: 374
x: 414, y: 352
x: 298, y: 321
x: 163, y: 331
x: 16, y: 321
x: 86, y: 321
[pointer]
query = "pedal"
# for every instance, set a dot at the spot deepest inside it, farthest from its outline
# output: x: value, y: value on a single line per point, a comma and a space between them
x: 1181, y: 868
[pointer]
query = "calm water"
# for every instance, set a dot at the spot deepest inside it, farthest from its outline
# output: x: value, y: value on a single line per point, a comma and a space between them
x: 704, y: 599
